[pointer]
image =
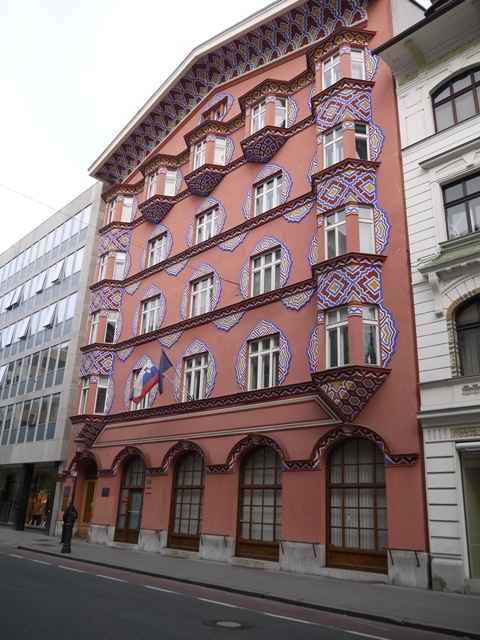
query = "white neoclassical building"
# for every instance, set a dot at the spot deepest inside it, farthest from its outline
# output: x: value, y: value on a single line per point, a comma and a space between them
x: 436, y: 65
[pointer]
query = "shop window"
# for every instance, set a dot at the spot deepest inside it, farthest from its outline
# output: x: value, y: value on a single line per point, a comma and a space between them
x: 151, y: 315
x: 195, y: 377
x: 266, y: 272
x: 357, y: 507
x: 260, y: 505
x: 187, y: 502
x: 467, y: 323
x: 207, y: 225
x: 263, y: 362
x: 201, y: 296
x: 462, y: 206
x: 268, y: 194
x: 337, y: 337
x: 457, y: 100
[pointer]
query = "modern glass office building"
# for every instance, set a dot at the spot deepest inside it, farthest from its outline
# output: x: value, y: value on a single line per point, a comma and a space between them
x: 44, y: 297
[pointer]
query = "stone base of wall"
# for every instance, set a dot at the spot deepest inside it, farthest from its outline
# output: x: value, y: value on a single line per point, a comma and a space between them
x: 102, y: 534
x: 447, y: 575
x: 300, y: 557
x: 216, y: 548
x: 409, y: 569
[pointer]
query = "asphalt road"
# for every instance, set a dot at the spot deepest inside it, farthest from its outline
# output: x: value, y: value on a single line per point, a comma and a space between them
x: 57, y: 599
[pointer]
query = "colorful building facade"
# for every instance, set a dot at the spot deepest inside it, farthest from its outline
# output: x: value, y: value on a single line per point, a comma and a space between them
x: 437, y: 69
x: 254, y: 262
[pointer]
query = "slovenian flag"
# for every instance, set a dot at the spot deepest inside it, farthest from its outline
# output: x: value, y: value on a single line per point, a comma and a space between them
x: 165, y: 364
x: 146, y: 380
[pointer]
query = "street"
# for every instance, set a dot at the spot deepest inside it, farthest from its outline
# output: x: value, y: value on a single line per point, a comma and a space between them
x: 55, y: 598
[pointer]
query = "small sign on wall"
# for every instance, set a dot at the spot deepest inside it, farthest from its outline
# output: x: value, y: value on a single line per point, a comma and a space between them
x: 105, y: 492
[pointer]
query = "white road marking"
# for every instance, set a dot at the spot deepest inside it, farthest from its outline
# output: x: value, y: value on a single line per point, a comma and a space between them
x: 274, y: 615
x: 147, y: 586
x: 40, y: 561
x: 61, y: 566
x: 100, y: 575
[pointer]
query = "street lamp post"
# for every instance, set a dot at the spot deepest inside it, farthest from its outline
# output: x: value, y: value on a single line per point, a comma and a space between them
x: 70, y: 513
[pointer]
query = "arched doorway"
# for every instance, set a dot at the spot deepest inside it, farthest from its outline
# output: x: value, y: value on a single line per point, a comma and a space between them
x: 131, y: 498
x: 88, y: 499
x: 356, y: 507
x: 260, y: 505
x: 187, y: 502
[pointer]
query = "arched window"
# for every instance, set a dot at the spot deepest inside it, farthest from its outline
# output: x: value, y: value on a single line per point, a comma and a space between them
x: 468, y: 336
x: 357, y: 510
x: 260, y: 505
x: 131, y: 499
x: 457, y: 100
x: 187, y: 502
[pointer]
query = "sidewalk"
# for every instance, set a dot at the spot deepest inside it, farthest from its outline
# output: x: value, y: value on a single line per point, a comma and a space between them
x: 441, y: 612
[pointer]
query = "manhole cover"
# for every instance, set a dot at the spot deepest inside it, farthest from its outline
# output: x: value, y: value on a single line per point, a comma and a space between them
x: 228, y: 624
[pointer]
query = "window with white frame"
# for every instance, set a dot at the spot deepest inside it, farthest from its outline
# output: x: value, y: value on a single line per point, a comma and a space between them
x: 111, y: 212
x: 157, y: 251
x: 101, y: 396
x: 200, y: 154
x: 371, y: 352
x: 84, y: 395
x: 258, y: 116
x: 94, y: 326
x: 119, y: 265
x: 207, y: 225
x: 201, y: 296
x: 366, y: 229
x: 195, y: 377
x: 126, y: 213
x: 467, y: 325
x: 111, y: 326
x: 331, y: 70
x: 336, y: 234
x: 150, y: 314
x: 280, y: 112
x: 266, y: 272
x: 152, y: 184
x: 333, y: 146
x: 461, y: 201
x: 143, y: 404
x: 170, y: 182
x: 268, y: 194
x: 357, y: 64
x: 263, y: 362
x: 361, y: 141
x: 219, y: 151
x: 337, y: 337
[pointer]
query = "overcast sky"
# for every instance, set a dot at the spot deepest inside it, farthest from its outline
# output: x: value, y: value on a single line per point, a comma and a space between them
x: 72, y: 75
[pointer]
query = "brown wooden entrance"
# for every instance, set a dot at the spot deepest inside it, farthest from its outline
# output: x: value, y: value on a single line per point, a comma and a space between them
x: 357, y: 510
x: 260, y: 505
x: 131, y: 499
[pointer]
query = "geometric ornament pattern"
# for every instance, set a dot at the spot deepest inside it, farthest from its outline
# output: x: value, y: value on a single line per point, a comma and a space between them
x: 108, y: 297
x: 312, y: 350
x: 350, y: 281
x: 350, y: 102
x: 296, y: 29
x: 348, y: 389
x: 298, y: 301
x: 152, y: 292
x: 99, y: 362
x: 116, y: 239
x: 229, y: 322
x: 262, y: 330
x: 160, y: 230
x: 352, y: 184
